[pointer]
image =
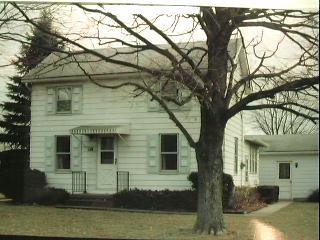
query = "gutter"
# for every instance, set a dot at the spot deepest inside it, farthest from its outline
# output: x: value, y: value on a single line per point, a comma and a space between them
x: 290, y: 152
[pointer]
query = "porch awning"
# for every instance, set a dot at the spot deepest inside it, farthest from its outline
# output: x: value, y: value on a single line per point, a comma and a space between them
x: 97, y: 130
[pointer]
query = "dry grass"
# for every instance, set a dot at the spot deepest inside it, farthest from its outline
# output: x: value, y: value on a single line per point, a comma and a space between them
x: 296, y: 222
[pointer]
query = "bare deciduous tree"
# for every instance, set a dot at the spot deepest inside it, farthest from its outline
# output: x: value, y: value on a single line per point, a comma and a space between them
x: 274, y: 121
x: 209, y: 77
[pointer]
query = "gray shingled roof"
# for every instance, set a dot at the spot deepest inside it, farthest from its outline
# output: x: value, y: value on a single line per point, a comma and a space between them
x: 58, y: 65
x: 289, y: 143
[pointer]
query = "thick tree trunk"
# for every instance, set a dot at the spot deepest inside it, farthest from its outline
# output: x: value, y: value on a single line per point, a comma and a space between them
x: 210, y: 175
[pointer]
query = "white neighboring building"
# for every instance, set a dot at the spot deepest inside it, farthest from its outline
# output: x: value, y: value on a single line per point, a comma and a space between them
x: 115, y: 139
x: 291, y: 162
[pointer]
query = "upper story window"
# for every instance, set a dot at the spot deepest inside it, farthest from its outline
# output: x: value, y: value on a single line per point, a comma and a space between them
x: 169, y: 89
x: 63, y: 152
x: 169, y: 152
x: 64, y: 100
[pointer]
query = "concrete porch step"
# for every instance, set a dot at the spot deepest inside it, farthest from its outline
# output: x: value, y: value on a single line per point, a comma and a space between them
x: 95, y: 200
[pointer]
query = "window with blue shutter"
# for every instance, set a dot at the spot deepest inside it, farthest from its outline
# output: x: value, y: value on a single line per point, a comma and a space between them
x: 51, y: 96
x: 168, y: 153
x: 184, y: 155
x: 153, y: 153
x: 76, y: 153
x: 76, y: 99
x: 49, y: 154
x: 64, y: 100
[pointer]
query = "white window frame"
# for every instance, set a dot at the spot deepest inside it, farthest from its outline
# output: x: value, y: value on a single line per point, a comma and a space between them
x: 56, y: 100
x: 169, y: 153
x: 108, y: 150
x: 62, y: 153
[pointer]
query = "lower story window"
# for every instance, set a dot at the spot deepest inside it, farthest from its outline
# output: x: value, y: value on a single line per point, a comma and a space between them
x: 169, y: 152
x: 63, y: 152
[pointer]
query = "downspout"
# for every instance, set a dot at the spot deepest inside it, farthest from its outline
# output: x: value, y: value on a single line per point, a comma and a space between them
x: 242, y: 148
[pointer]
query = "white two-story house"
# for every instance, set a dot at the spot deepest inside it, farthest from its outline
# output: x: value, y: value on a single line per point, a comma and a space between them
x: 89, y: 138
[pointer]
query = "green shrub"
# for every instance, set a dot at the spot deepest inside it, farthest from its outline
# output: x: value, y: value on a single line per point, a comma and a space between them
x: 156, y: 200
x: 46, y: 196
x: 15, y: 182
x: 269, y: 194
x: 247, y: 198
x: 14, y: 159
x: 314, y: 196
x: 193, y: 178
x: 228, y: 188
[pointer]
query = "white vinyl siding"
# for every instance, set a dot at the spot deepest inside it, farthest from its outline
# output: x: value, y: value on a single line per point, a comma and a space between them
x: 109, y: 107
x: 304, y: 177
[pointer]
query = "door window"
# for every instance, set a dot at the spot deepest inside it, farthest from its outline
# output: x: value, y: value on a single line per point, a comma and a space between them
x: 284, y: 170
x: 107, y: 150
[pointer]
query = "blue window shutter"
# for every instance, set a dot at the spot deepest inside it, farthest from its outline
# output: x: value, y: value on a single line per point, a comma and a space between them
x: 50, y: 154
x: 76, y: 153
x: 184, y: 155
x: 51, y: 98
x: 153, y: 153
x: 76, y: 99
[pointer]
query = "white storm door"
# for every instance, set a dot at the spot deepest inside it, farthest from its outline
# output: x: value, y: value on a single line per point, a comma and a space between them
x: 285, y: 180
x: 107, y: 164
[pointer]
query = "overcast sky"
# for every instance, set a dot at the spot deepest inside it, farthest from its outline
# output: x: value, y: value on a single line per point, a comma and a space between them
x: 9, y: 49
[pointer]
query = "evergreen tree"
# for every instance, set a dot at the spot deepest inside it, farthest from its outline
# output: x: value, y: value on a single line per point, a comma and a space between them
x: 16, y: 111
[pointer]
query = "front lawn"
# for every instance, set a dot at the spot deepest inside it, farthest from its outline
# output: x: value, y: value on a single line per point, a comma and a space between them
x: 298, y: 221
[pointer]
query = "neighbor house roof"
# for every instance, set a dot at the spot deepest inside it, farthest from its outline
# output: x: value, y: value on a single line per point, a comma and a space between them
x: 62, y: 65
x: 289, y: 142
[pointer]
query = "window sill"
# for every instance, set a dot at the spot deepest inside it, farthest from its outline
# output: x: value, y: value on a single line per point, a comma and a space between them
x: 63, y: 113
x: 63, y: 171
x: 169, y: 172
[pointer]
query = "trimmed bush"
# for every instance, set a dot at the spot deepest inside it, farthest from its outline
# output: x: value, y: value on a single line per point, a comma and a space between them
x: 247, y: 198
x: 269, y: 194
x: 193, y: 178
x: 156, y: 200
x: 15, y: 182
x: 228, y: 188
x: 46, y: 196
x: 314, y: 196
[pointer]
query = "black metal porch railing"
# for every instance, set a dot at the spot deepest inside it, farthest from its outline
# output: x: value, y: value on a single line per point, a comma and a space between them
x: 122, y: 181
x: 79, y: 182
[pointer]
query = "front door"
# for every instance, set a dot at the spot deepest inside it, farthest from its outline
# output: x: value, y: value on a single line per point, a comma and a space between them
x: 107, y: 164
x: 285, y: 180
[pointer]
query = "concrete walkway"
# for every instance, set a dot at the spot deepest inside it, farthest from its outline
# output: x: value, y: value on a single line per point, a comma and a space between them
x: 270, y: 209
